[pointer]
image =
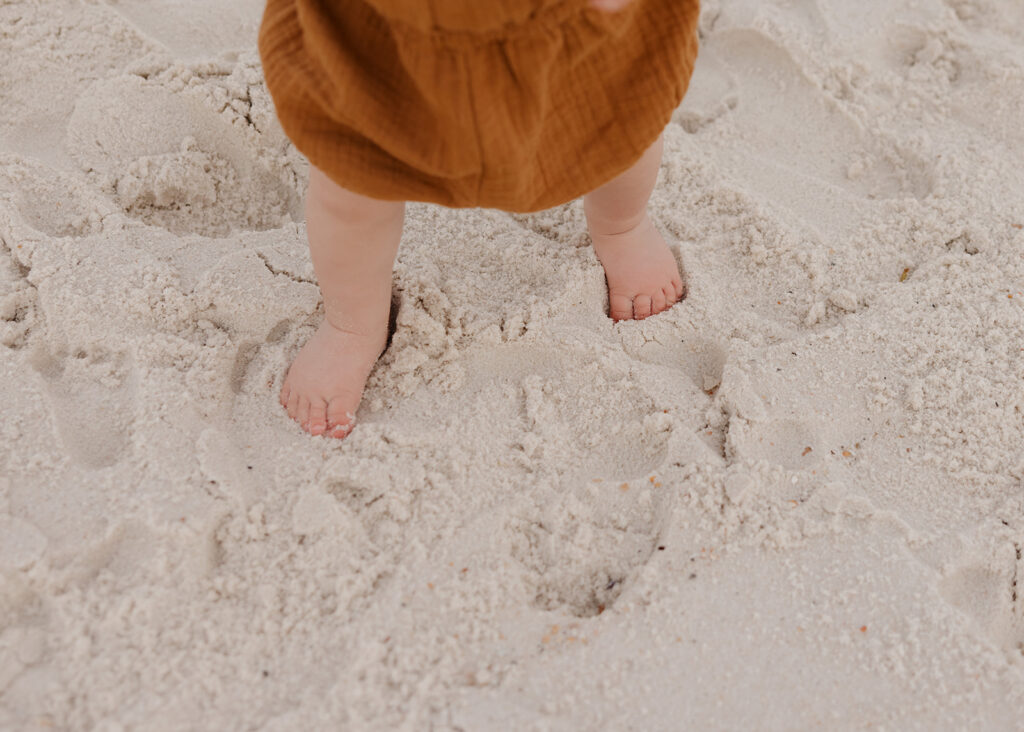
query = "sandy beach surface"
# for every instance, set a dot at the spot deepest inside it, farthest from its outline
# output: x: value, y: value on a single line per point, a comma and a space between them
x: 794, y: 501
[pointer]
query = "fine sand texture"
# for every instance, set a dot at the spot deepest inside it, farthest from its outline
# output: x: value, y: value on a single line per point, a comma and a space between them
x: 793, y: 501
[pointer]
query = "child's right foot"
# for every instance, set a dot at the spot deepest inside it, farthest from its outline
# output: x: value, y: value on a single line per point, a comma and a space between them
x: 325, y: 382
x: 352, y: 241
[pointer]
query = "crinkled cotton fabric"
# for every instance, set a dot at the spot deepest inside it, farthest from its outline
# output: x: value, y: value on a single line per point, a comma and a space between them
x: 513, y: 104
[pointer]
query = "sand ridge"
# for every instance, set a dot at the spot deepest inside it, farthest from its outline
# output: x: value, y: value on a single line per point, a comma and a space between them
x: 793, y: 500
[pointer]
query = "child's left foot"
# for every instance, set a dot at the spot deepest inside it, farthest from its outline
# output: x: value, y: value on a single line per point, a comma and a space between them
x: 643, y: 277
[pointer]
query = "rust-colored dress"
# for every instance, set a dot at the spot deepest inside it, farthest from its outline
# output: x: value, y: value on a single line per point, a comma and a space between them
x: 511, y: 104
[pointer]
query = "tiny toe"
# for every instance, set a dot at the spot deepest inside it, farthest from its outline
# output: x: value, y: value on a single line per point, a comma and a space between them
x: 642, y: 307
x: 670, y: 296
x: 283, y: 396
x: 680, y: 289
x: 302, y: 414
x: 658, y: 302
x: 340, y: 431
x: 620, y: 307
x: 293, y: 404
x: 340, y: 421
x: 318, y: 417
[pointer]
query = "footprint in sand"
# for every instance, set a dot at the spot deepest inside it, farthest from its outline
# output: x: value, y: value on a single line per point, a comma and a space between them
x: 701, y: 361
x: 90, y: 404
x: 989, y: 587
x: 557, y: 419
x: 37, y: 200
x: 51, y: 201
x: 187, y: 155
x: 582, y: 549
x: 838, y: 169
x: 802, y: 413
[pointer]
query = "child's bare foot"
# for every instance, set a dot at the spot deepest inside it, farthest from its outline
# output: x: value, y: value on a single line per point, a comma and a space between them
x: 353, y: 241
x: 325, y: 382
x: 643, y: 277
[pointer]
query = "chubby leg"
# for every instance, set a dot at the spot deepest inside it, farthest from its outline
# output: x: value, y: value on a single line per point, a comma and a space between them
x: 643, y: 278
x: 353, y: 241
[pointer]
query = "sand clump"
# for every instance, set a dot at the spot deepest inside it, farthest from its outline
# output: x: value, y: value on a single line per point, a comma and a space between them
x: 791, y: 501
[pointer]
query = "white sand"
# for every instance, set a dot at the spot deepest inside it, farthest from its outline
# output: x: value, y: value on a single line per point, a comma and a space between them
x: 794, y: 501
